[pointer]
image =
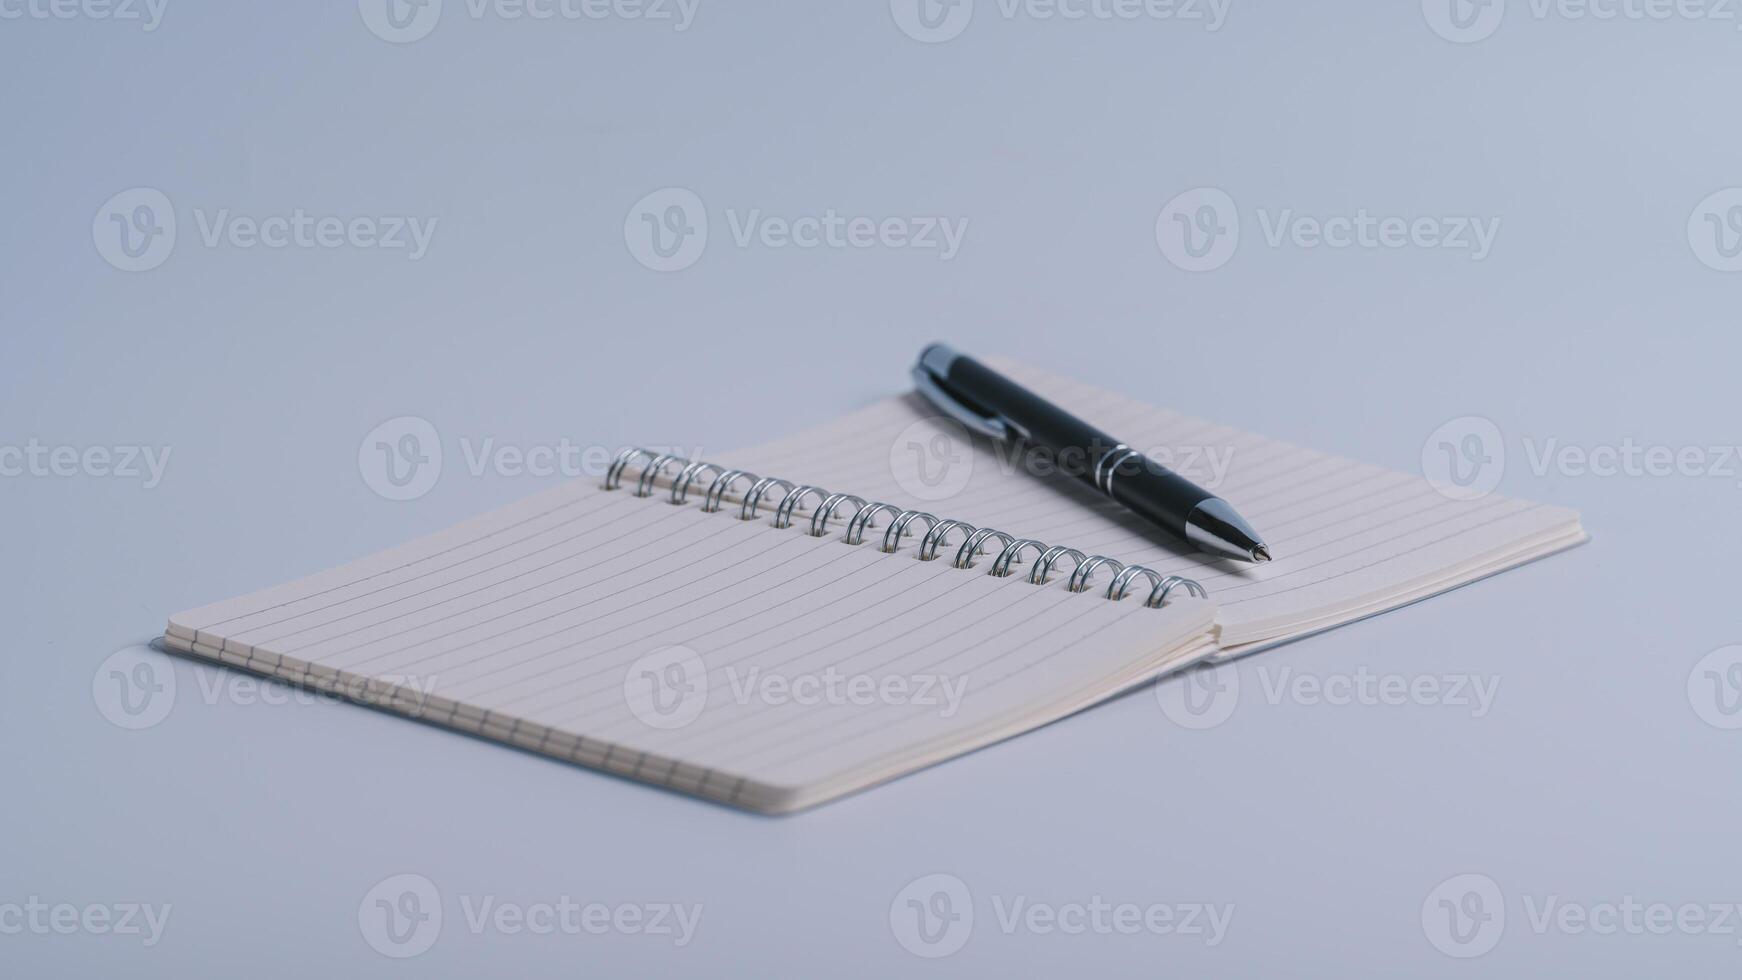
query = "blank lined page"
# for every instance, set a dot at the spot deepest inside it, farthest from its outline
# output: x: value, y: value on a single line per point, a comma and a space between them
x: 1349, y: 538
x: 730, y: 658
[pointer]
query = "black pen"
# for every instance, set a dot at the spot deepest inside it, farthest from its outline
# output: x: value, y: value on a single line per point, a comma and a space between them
x: 989, y: 403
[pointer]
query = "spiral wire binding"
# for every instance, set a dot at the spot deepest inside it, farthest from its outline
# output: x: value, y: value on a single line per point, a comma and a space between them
x: 975, y: 540
x: 820, y: 519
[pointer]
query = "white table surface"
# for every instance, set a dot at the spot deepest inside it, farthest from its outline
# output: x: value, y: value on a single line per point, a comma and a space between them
x: 1600, y: 773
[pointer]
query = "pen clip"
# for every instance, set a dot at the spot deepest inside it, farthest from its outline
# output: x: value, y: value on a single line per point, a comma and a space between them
x: 928, y: 377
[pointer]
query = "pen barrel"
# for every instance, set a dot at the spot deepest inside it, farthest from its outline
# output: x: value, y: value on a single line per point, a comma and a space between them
x: 1154, y: 492
x: 996, y: 407
x: 1079, y: 449
x: 1037, y: 420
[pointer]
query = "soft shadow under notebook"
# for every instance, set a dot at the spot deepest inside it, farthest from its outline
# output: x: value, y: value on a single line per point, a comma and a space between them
x: 898, y: 595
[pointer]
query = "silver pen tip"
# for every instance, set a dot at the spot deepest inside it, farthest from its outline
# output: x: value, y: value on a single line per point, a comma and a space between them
x: 1215, y: 528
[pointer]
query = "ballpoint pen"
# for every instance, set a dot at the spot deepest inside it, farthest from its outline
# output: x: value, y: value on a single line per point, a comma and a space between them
x: 993, y: 405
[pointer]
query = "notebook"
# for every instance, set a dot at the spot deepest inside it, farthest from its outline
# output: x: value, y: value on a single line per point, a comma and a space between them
x: 774, y: 642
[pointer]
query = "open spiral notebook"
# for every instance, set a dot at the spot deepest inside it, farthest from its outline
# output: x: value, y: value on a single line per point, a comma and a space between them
x: 900, y: 594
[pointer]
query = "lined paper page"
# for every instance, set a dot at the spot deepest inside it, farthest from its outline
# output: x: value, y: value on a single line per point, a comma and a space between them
x: 725, y: 657
x: 1349, y: 538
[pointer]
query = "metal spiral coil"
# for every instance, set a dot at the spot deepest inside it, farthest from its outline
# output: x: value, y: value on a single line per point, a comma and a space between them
x: 862, y: 520
x: 976, y: 541
x: 680, y: 487
x: 928, y: 548
x: 650, y: 473
x: 1086, y: 570
x: 753, y: 499
x: 898, y: 527
x: 1013, y: 551
x: 1042, y: 569
x: 722, y: 483
x: 614, y: 475
x: 820, y: 519
x: 794, y: 497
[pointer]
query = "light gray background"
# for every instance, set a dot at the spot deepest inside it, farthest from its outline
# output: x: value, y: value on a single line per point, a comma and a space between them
x: 1593, y: 321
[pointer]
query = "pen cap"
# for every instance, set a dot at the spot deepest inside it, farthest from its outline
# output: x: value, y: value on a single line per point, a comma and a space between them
x: 931, y: 376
